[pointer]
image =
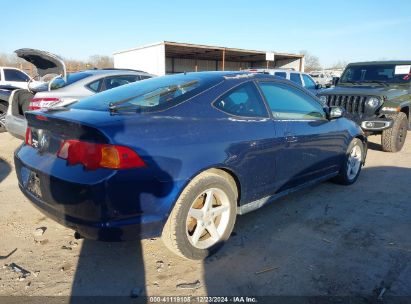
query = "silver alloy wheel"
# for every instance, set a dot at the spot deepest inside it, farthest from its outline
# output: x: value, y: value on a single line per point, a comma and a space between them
x: 354, y: 162
x: 208, y: 218
x: 2, y: 120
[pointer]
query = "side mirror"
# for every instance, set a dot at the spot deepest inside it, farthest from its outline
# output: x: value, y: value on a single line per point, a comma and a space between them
x: 335, y: 112
x: 335, y: 80
x: 319, y: 86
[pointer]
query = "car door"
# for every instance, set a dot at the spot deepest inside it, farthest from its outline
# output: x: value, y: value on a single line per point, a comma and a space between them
x: 16, y: 78
x: 312, y: 144
x: 254, y: 143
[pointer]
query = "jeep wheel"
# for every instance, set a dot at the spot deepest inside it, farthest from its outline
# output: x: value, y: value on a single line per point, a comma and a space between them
x: 3, y: 111
x: 351, y: 168
x: 392, y: 139
x: 203, y: 216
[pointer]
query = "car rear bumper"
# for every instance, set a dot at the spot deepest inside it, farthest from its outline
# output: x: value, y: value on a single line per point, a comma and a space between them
x: 102, y: 205
x: 134, y: 228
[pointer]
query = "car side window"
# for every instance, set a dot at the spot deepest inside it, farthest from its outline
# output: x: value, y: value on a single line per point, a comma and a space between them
x: 15, y: 75
x: 295, y: 77
x: 281, y: 74
x: 116, y: 81
x: 287, y: 102
x: 244, y: 100
x: 308, y: 82
x: 95, y: 86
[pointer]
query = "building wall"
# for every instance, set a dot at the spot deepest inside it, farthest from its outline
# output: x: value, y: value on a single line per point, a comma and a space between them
x: 149, y: 59
x: 152, y: 59
x: 188, y: 65
x: 289, y: 64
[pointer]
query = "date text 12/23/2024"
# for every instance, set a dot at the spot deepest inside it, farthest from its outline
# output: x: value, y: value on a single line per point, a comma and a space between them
x: 202, y: 299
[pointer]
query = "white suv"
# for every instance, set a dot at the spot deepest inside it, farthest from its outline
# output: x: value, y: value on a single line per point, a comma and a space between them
x: 13, y: 77
x: 297, y: 77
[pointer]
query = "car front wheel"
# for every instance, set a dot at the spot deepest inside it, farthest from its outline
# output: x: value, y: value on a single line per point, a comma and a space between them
x: 351, y: 168
x: 203, y: 216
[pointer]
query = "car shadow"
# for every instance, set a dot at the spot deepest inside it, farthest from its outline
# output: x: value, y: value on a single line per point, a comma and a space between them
x: 109, y: 269
x: 329, y: 240
x: 5, y: 169
x: 117, y: 269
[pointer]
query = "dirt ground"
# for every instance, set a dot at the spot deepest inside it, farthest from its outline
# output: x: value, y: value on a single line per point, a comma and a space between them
x: 328, y: 240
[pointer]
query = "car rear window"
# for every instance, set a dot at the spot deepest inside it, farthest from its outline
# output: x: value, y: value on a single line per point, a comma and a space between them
x: 150, y: 95
x: 59, y: 82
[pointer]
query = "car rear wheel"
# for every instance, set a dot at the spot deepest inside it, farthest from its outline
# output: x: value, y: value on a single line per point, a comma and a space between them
x: 351, y: 167
x: 3, y: 111
x: 393, y: 139
x: 203, y: 216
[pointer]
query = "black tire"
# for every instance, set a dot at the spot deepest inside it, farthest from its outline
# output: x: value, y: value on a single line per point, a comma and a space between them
x: 343, y: 176
x: 176, y: 231
x: 393, y: 139
x: 3, y: 111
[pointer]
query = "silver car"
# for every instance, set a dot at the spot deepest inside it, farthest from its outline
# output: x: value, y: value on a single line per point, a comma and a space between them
x: 61, y: 90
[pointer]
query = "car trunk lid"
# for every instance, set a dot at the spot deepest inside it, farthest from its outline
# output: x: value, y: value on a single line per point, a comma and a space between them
x: 48, y: 131
x: 45, y: 62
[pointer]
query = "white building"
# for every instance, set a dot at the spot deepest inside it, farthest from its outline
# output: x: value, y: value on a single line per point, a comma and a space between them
x: 171, y: 57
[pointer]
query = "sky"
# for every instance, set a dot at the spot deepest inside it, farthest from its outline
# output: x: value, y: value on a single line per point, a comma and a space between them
x: 332, y: 30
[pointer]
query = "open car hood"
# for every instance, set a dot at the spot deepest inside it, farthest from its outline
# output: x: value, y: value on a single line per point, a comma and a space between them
x: 45, y: 62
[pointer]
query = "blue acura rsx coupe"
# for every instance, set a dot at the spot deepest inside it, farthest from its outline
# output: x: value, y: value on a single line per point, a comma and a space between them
x: 180, y: 156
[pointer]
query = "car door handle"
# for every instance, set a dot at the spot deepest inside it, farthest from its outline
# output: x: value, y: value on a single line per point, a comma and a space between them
x: 290, y: 138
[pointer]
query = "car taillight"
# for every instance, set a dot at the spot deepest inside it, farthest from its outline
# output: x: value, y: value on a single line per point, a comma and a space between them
x: 42, y: 103
x: 93, y: 156
x: 28, y: 139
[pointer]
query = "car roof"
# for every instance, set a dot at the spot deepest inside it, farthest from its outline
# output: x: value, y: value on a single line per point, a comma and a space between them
x: 112, y: 72
x: 273, y: 70
x: 262, y: 70
x: 231, y: 75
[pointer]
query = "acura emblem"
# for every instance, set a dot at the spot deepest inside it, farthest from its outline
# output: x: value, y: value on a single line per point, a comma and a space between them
x: 44, y: 141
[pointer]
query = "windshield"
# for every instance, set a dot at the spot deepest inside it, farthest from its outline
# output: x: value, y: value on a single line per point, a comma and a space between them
x: 387, y: 73
x: 150, y: 95
x: 59, y: 82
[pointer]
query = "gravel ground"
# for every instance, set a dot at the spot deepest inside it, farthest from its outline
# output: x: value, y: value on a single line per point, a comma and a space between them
x: 328, y: 240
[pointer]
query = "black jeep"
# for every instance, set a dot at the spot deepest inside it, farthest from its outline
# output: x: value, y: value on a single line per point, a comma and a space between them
x: 376, y: 95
